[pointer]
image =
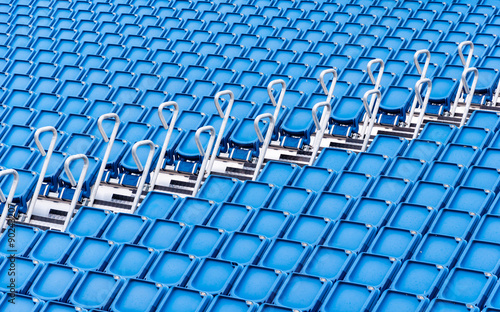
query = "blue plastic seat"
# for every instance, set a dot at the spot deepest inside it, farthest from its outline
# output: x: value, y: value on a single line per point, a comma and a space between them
x: 395, y: 243
x: 419, y: 278
x: 445, y: 173
x: 454, y: 223
x: 213, y: 276
x: 392, y: 299
x: 230, y: 217
x: 346, y: 114
x: 158, y: 205
x: 254, y: 194
x: 137, y: 294
x: 430, y: 194
x: 163, y: 235
x: 352, y: 236
x: 368, y: 163
x: 95, y: 290
x: 481, y: 256
x: 178, y: 298
x: 54, y: 282
x: 387, y: 145
x: 202, y: 241
x: 218, y: 188
x: 406, y: 168
x: 125, y: 228
x: 475, y: 136
x: 257, y: 284
x: 482, y: 177
x: 25, y: 272
x: 222, y: 303
x: 278, y: 173
x: 346, y: 296
x: 484, y: 119
x: 130, y: 261
x: 91, y: 254
x: 308, y: 229
x: 285, y: 255
x: 477, y: 283
x: 291, y: 294
x: 373, y: 270
x: 423, y: 149
x: 464, y: 198
x: 193, y: 211
x: 89, y: 222
x: 371, y: 211
x: 351, y: 183
x: 23, y: 302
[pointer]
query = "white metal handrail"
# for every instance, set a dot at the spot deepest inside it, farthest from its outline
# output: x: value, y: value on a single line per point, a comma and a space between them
x: 371, y: 114
x: 423, y: 73
x: 320, y: 126
x: 111, y: 141
x: 225, y: 118
x: 73, y: 183
x: 466, y: 64
x: 45, y: 165
x: 422, y: 103
x: 376, y: 81
x: 7, y: 202
x: 204, y: 153
x: 469, y: 90
x: 266, y: 140
x: 164, y: 147
x: 328, y: 91
x: 145, y: 169
x: 278, y: 103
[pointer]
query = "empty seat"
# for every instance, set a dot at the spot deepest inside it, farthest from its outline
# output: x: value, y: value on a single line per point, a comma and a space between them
x: 423, y: 149
x: 137, y: 295
x: 481, y: 256
x: 178, y: 298
x: 292, y: 295
x: 54, y: 282
x: 308, y: 229
x: 230, y: 217
x: 487, y: 228
x: 130, y: 261
x: 125, y: 228
x: 89, y: 222
x: 387, y: 145
x: 472, y: 200
x: 293, y: 200
x: 345, y: 296
x: 395, y: 243
x: 202, y: 241
x: 352, y: 236
x: 257, y: 284
x: 475, y: 136
x: 456, y: 223
x: 406, y: 168
x: 158, y: 205
x: 419, y: 278
x: 329, y: 205
x: 278, y: 173
x: 53, y: 247
x: 193, y: 211
x: 430, y: 194
x: 368, y: 163
x: 163, y: 235
x: 254, y: 194
x: 328, y: 262
x: 412, y: 217
x: 95, y: 290
x: 371, y: 211
x: 477, y: 283
x: 439, y: 249
x: 445, y: 173
x: 373, y: 270
x: 213, y: 276
x: 218, y: 188
x: 25, y: 272
x: 91, y: 254
x: 285, y: 255
x: 390, y: 189
x: 351, y: 183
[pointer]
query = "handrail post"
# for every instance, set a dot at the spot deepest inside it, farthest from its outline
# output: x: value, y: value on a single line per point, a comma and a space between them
x: 71, y: 178
x: 495, y: 95
x: 205, y: 154
x: 466, y: 64
x: 10, y: 197
x: 281, y: 97
x: 145, y: 169
x: 372, y: 115
x: 320, y: 126
x: 111, y: 141
x: 164, y: 147
x: 376, y: 83
x: 225, y: 117
x: 423, y: 73
x: 45, y: 165
x: 470, y: 91
x: 266, y: 140
x: 422, y: 103
x: 328, y: 91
